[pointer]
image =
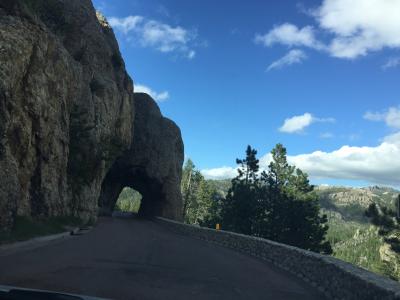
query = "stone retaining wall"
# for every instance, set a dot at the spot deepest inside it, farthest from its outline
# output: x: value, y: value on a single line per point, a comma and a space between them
x: 335, y: 278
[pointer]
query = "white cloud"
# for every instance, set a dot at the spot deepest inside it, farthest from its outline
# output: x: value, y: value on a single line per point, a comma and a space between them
x: 352, y: 28
x: 294, y: 56
x: 374, y: 116
x: 155, y: 34
x: 297, y: 124
x: 360, y: 26
x: 229, y: 172
x: 127, y: 24
x: 326, y: 135
x: 159, y: 97
x: 288, y: 34
x: 376, y: 165
x: 191, y: 54
x: 391, y: 117
x: 391, y: 63
x: 219, y: 173
x: 393, y: 138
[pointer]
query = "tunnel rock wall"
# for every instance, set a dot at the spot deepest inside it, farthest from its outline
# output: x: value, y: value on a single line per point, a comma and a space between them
x: 67, y: 108
x: 152, y: 166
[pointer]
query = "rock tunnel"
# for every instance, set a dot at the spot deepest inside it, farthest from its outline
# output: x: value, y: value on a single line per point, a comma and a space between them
x: 152, y: 166
x: 153, y: 202
x: 72, y: 131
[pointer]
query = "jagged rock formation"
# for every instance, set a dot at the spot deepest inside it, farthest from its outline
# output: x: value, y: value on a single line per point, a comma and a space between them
x: 67, y: 112
x: 353, y: 237
x: 151, y: 166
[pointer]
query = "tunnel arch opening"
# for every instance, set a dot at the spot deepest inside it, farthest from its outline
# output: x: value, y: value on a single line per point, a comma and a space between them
x: 152, y: 165
x: 129, y: 200
x: 124, y: 175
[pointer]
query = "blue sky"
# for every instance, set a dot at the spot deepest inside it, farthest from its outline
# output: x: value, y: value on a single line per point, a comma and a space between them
x: 321, y: 77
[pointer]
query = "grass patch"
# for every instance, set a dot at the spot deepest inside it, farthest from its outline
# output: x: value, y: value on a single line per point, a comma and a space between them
x: 26, y: 228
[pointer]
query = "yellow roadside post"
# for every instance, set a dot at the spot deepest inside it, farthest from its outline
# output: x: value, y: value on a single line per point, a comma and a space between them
x: 217, y: 226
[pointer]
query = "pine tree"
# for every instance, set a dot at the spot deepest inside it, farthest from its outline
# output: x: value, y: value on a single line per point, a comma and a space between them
x: 213, y: 215
x: 280, y: 172
x: 191, y: 179
x: 278, y: 204
x: 238, y: 208
x: 200, y: 201
x: 206, y: 198
x: 248, y: 167
x: 388, y: 222
x: 293, y: 212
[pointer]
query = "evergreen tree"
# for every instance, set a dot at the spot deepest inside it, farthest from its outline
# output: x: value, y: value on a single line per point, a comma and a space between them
x: 279, y: 204
x: 279, y: 171
x: 238, y: 208
x: 292, y: 208
x: 388, y: 222
x: 206, y: 203
x: 200, y: 203
x: 213, y: 215
x: 248, y: 167
x: 191, y: 179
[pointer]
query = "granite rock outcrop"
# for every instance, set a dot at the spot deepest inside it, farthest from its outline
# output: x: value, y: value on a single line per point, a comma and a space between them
x: 67, y: 113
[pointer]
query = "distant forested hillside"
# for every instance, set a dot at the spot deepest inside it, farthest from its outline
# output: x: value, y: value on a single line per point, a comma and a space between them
x: 352, y: 236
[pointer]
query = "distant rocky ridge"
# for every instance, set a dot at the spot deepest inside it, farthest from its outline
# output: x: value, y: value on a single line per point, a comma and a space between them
x: 68, y: 113
x: 352, y: 236
x: 352, y: 202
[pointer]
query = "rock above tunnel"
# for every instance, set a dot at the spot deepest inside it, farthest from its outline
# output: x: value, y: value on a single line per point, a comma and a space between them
x: 67, y: 113
x: 153, y: 164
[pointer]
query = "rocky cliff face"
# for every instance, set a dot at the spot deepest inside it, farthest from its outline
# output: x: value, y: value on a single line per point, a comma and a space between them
x: 67, y: 110
x: 151, y: 166
x: 353, y: 237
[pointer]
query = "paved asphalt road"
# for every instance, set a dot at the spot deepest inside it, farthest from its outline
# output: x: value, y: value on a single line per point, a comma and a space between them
x: 139, y: 259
